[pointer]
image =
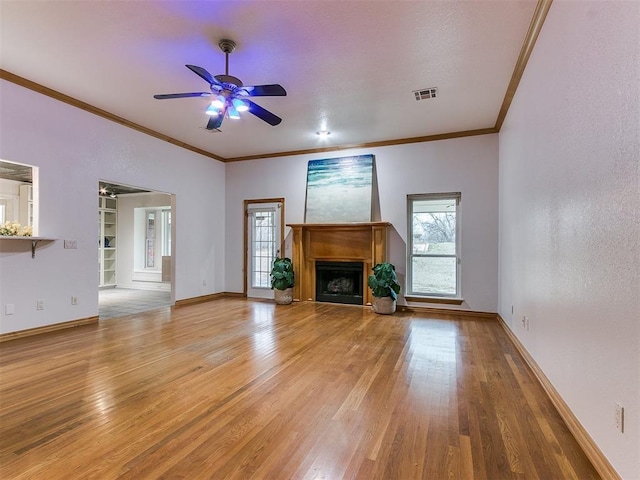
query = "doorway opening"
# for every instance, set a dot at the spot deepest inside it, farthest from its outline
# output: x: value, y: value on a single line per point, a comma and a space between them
x: 19, y: 197
x: 136, y: 246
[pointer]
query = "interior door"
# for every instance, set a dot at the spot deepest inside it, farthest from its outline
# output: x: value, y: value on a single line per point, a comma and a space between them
x: 264, y: 241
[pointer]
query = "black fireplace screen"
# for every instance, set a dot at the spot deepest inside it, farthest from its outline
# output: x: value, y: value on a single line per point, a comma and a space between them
x: 339, y: 282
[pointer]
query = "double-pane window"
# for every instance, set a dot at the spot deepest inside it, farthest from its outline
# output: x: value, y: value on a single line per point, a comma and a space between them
x: 433, y: 250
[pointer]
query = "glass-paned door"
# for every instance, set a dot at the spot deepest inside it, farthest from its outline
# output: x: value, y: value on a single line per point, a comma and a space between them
x: 263, y: 242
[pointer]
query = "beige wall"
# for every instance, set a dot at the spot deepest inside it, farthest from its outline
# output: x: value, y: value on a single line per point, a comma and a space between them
x: 74, y: 150
x: 569, y: 221
x: 468, y: 165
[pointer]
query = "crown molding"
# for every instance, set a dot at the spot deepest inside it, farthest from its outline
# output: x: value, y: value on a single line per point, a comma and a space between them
x: 36, y: 87
x: 383, y: 143
x: 539, y: 16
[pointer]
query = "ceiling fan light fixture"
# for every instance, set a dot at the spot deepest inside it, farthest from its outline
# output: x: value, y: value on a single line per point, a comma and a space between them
x: 232, y: 112
x: 240, y: 105
x: 218, y: 102
x: 211, y: 110
x: 224, y: 90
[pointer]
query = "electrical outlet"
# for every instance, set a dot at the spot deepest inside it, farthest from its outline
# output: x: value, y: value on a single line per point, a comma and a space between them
x: 619, y: 418
x: 204, y: 283
x: 73, y: 244
x: 40, y: 305
x: 524, y: 322
x: 74, y: 300
x: 9, y: 309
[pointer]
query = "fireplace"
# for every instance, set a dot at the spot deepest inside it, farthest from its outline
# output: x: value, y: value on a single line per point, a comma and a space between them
x: 339, y: 282
x: 362, y: 243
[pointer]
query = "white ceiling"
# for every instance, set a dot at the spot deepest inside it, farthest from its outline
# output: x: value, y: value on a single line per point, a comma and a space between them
x: 348, y: 66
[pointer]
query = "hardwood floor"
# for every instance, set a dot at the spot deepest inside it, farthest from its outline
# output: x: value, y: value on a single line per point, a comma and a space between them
x: 243, y: 389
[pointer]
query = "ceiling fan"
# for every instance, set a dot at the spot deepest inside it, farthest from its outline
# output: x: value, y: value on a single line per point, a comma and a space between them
x: 230, y: 96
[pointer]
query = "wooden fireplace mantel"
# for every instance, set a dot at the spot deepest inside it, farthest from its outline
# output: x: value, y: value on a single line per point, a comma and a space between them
x: 335, y: 242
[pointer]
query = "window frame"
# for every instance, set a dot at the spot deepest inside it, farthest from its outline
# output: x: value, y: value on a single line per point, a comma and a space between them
x: 411, y: 199
x: 272, y: 241
x: 253, y: 203
x: 165, y: 228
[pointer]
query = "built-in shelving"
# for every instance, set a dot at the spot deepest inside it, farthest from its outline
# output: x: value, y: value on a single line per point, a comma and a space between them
x: 107, y: 237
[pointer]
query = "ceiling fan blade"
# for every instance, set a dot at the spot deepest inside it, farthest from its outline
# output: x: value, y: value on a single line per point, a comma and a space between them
x: 215, y: 122
x: 273, y: 90
x: 202, y: 73
x: 164, y: 96
x: 263, y: 114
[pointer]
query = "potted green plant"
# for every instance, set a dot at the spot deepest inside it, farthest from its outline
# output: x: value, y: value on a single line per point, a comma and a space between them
x: 282, y: 280
x: 384, y: 288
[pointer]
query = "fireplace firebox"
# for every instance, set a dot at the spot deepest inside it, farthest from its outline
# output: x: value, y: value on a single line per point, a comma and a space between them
x: 339, y: 282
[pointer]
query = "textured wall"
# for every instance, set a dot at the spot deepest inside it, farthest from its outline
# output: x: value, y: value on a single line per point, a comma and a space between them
x: 467, y: 165
x: 73, y: 150
x: 569, y: 221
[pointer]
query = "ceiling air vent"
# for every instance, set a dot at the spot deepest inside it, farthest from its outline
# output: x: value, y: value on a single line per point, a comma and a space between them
x: 425, y: 93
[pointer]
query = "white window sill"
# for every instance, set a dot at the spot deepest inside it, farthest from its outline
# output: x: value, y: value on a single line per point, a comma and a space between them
x: 427, y: 299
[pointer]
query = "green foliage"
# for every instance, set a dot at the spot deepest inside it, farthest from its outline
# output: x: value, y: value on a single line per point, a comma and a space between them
x: 282, y: 274
x: 383, y: 282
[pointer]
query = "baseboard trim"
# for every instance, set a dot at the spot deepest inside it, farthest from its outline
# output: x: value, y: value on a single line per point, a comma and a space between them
x: 47, y: 328
x: 591, y: 450
x: 207, y: 298
x: 400, y: 308
x: 235, y: 294
x: 146, y: 286
x: 446, y: 311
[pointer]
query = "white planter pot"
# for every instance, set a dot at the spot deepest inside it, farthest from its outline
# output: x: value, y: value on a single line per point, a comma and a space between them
x: 384, y: 305
x: 283, y: 297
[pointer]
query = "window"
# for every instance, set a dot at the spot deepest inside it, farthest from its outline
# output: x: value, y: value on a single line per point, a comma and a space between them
x: 152, y: 237
x: 433, y: 250
x: 150, y: 240
x: 166, y: 232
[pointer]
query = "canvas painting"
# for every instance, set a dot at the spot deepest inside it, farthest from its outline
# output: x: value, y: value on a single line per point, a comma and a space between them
x: 339, y: 190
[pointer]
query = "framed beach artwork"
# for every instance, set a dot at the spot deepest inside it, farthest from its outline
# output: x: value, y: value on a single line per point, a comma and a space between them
x: 339, y: 190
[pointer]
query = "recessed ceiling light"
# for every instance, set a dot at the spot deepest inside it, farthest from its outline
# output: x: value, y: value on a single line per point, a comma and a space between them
x: 323, y: 133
